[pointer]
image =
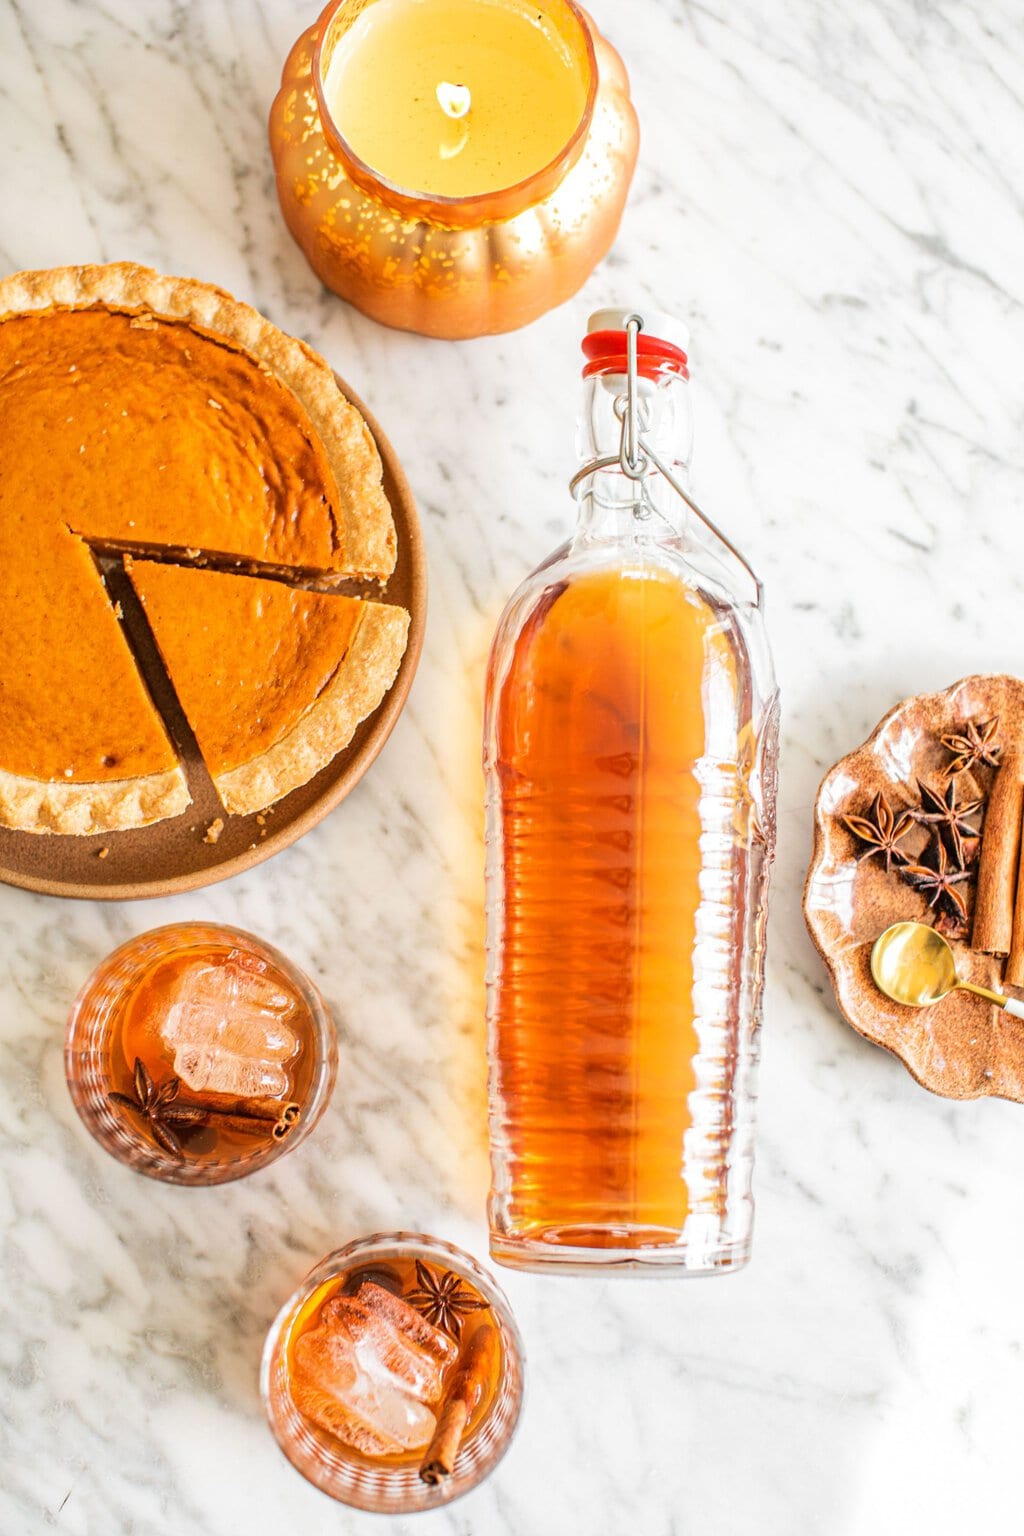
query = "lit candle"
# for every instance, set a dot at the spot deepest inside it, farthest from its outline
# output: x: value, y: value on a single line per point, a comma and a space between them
x: 455, y: 98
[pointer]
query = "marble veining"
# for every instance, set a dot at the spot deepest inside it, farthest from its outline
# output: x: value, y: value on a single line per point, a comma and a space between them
x: 831, y: 196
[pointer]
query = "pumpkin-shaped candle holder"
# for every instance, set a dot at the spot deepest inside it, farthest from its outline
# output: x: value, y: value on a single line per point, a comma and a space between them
x: 446, y: 266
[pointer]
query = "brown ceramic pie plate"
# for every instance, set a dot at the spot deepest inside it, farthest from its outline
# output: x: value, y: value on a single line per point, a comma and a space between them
x: 173, y: 855
x: 961, y: 1048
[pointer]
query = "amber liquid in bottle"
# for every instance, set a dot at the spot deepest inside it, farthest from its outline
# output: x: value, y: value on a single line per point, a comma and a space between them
x: 626, y: 739
x: 600, y: 722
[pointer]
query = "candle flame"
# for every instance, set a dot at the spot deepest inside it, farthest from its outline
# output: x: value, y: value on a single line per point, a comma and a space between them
x: 454, y: 100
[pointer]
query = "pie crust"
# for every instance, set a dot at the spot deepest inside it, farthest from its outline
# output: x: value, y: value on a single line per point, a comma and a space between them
x: 34, y: 805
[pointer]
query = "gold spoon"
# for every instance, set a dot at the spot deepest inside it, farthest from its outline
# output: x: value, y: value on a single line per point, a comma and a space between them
x: 913, y: 965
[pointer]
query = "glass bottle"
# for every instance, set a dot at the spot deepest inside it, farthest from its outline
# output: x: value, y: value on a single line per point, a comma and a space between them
x: 631, y: 729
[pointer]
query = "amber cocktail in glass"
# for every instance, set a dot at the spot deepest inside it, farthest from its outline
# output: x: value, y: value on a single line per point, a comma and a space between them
x: 198, y: 1053
x: 393, y: 1377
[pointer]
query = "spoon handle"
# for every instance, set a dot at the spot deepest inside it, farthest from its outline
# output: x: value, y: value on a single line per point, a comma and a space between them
x: 1009, y: 1004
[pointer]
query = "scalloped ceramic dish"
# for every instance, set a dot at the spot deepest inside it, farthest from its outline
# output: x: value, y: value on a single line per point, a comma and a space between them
x: 961, y: 1048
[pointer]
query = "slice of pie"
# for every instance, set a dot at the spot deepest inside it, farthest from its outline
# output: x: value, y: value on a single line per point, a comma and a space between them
x: 273, y: 680
x: 82, y: 746
x: 158, y: 414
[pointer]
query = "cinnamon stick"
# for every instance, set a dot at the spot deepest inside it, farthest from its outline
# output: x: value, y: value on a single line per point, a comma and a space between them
x: 287, y: 1123
x: 1014, y: 973
x: 256, y: 1109
x: 279, y: 1122
x: 1000, y: 860
x: 252, y: 1125
x: 467, y: 1388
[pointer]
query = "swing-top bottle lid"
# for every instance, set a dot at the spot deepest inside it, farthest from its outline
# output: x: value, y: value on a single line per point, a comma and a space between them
x: 657, y: 324
x: 661, y: 343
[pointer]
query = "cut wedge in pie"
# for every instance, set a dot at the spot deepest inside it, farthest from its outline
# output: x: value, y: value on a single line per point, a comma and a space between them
x: 81, y: 746
x: 159, y: 416
x: 273, y: 680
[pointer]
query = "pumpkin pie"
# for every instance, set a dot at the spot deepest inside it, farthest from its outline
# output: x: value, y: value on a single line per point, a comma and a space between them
x: 273, y: 680
x: 150, y: 414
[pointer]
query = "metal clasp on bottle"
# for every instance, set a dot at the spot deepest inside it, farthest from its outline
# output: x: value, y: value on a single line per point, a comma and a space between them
x: 637, y: 456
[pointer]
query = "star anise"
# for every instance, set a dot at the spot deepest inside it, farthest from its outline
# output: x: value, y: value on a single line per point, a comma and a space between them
x: 937, y: 881
x: 443, y: 1299
x: 949, y: 819
x: 882, y: 830
x: 157, y: 1107
x: 975, y: 744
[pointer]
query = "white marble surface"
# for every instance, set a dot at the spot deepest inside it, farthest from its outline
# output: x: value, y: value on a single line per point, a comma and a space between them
x: 832, y: 196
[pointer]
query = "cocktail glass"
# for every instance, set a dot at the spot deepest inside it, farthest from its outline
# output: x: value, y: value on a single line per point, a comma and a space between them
x: 393, y: 1376
x: 198, y: 1053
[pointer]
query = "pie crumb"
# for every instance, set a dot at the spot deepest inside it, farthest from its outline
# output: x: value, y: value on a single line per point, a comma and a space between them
x: 118, y: 611
x: 214, y: 830
x: 102, y: 853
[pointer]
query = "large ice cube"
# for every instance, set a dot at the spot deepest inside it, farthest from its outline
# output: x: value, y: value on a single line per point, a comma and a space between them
x: 227, y: 1026
x: 371, y: 1371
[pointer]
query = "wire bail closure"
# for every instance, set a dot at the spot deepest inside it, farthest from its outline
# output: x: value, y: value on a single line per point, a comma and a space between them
x: 632, y: 462
x: 636, y: 456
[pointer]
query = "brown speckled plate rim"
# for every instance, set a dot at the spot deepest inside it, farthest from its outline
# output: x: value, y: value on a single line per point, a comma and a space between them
x: 340, y: 777
x: 818, y: 854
